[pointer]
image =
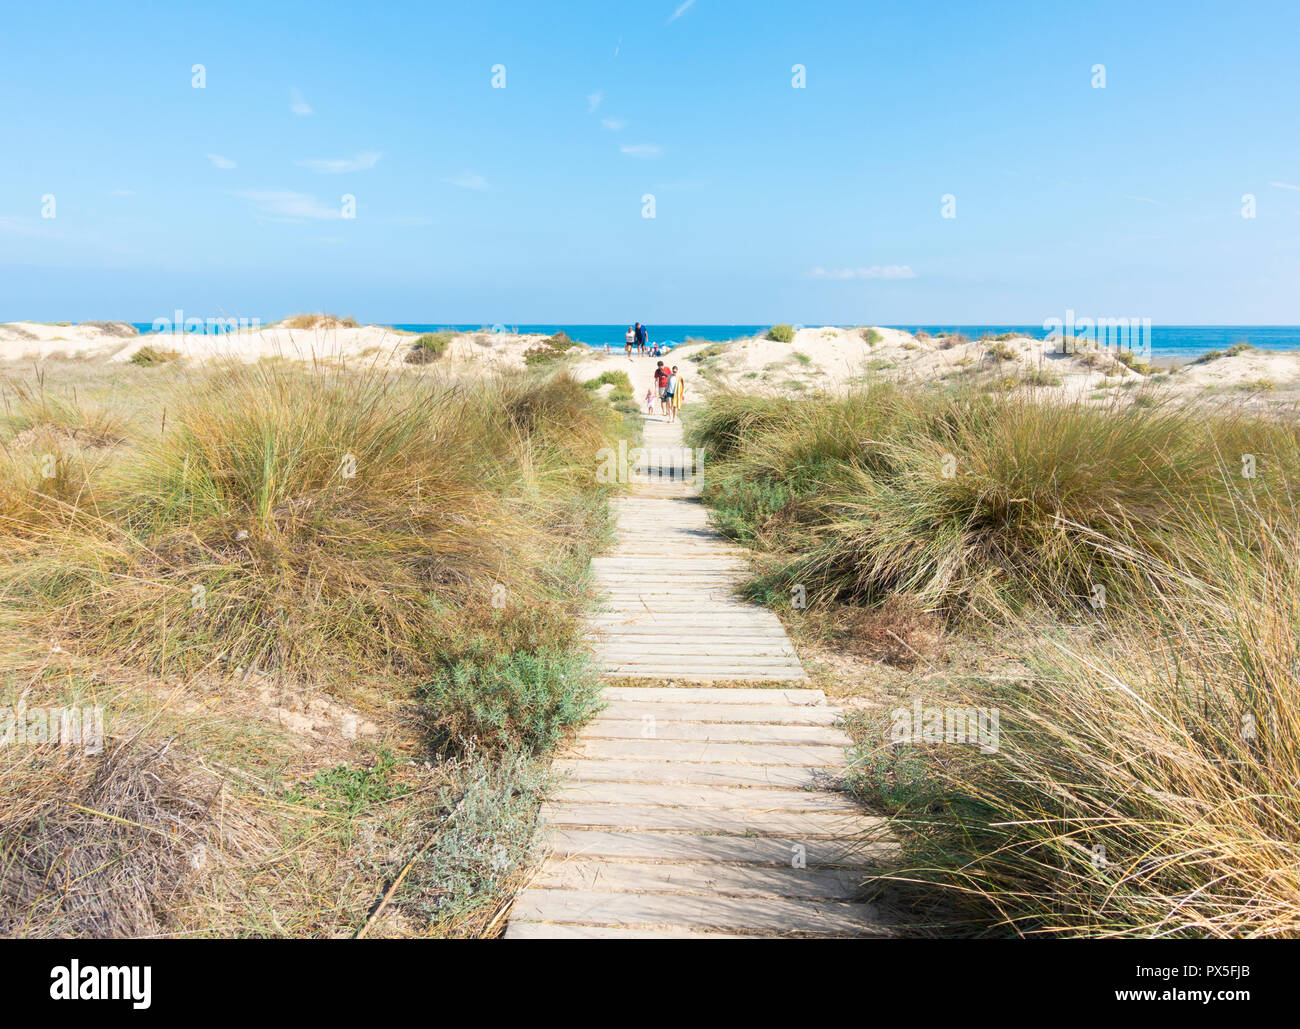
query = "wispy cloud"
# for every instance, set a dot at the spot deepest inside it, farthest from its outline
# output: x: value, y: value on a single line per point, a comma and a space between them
x: 876, y: 271
x: 1285, y: 185
x: 20, y: 226
x: 642, y: 150
x: 613, y: 124
x: 618, y: 46
x: 342, y: 165
x: 682, y: 8
x: 297, y: 104
x: 468, y: 180
x: 121, y: 192
x: 1145, y: 200
x: 218, y: 161
x: 290, y: 206
x: 593, y: 100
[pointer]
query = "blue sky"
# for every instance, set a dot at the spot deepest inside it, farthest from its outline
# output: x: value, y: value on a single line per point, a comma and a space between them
x: 524, y: 203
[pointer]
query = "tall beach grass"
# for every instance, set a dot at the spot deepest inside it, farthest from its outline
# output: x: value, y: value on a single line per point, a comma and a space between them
x: 1143, y: 781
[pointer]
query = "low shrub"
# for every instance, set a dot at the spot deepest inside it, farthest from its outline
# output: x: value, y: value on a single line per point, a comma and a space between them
x: 616, y: 378
x: 520, y: 700
x: 429, y: 347
x: 148, y: 356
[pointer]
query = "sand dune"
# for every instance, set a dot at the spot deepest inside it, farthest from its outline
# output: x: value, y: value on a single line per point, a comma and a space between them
x: 824, y: 358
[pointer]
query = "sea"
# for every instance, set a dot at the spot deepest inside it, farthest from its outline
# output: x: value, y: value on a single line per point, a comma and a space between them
x: 1175, y: 341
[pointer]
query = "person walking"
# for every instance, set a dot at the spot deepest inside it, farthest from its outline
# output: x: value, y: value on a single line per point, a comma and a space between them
x: 641, y: 337
x: 661, y: 386
x: 629, y: 338
x: 678, y: 388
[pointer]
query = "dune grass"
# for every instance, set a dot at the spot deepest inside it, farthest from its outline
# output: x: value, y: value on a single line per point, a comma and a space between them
x: 616, y: 378
x: 388, y: 547
x: 1143, y: 779
x: 319, y: 321
x: 429, y: 347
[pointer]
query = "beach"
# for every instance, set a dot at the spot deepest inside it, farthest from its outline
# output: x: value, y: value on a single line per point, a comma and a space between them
x: 823, y: 358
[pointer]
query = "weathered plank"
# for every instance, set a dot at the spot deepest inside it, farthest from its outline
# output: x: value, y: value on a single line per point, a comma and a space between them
x: 798, y: 824
x: 661, y: 728
x: 519, y: 929
x: 696, y: 750
x: 723, y: 879
x: 740, y: 695
x: 700, y: 773
x: 748, y: 798
x: 789, y: 714
x: 815, y: 852
x: 774, y: 915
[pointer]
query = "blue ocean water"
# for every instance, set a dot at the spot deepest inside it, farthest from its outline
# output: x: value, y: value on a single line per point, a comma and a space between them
x: 1181, y: 341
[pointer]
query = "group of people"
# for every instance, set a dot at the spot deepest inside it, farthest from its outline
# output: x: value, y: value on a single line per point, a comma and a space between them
x: 637, y: 341
x: 669, y: 388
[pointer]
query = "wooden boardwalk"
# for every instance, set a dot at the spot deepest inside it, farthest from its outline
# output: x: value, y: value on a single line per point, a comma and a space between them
x: 690, y: 811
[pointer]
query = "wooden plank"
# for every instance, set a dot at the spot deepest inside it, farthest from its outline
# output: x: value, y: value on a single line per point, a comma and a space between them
x: 697, y: 750
x: 660, y: 635
x: 649, y: 675
x: 518, y: 929
x: 798, y: 824
x: 816, y: 852
x: 615, y: 651
x: 693, y: 695
x: 801, y: 714
x: 700, y: 773
x: 657, y: 728
x: 749, y: 798
x: 708, y: 664
x: 707, y: 878
x: 657, y: 910
x: 768, y: 668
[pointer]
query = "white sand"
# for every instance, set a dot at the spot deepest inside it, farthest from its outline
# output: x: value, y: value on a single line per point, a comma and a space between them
x: 831, y: 359
x: 819, y: 359
x: 37, y: 341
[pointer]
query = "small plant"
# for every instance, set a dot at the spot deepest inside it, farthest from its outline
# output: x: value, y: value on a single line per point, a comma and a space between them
x: 616, y: 378
x: 871, y: 337
x: 781, y: 333
x: 348, y: 789
x: 319, y: 321
x: 517, y: 700
x: 148, y: 356
x: 429, y: 347
x: 1131, y: 361
x: 1232, y: 351
x: 803, y: 359
x: 1040, y: 377
x: 550, y: 349
x: 999, y: 351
